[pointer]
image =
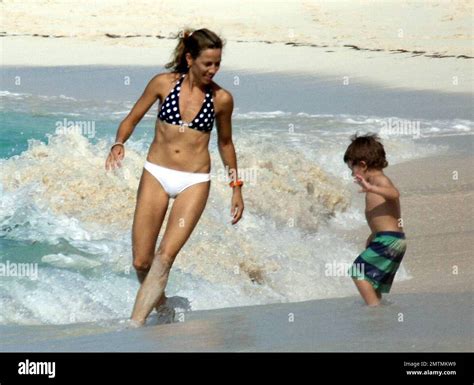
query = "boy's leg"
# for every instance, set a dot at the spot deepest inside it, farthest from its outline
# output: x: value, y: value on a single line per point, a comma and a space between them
x: 367, y: 291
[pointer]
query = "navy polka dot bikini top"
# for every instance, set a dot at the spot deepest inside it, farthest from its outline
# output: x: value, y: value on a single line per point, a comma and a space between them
x: 169, y: 110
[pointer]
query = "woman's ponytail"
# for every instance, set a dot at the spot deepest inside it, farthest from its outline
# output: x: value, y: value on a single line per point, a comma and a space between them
x: 193, y: 42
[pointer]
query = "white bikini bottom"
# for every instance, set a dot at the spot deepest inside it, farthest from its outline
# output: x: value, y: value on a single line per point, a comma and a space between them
x: 175, y: 181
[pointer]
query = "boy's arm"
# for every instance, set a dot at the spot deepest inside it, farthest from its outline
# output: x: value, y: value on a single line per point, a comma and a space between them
x: 381, y: 186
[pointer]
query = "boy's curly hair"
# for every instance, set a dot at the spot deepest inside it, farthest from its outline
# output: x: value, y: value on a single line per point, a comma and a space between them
x: 367, y: 148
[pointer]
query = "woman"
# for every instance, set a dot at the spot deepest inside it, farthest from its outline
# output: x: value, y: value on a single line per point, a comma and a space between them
x: 178, y: 162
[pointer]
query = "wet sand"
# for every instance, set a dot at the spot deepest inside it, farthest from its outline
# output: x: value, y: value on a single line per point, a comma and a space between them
x: 408, y: 322
x: 438, y: 215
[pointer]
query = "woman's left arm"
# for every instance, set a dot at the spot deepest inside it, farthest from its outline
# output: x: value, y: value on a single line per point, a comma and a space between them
x: 227, y: 150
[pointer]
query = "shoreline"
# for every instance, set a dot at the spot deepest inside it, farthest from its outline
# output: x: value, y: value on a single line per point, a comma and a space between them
x: 346, y: 65
x: 404, y: 324
x: 414, y: 46
x: 318, y: 95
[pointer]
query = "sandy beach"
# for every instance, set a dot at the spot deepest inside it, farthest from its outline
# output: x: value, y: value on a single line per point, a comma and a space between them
x: 406, y: 46
x: 440, y: 223
x: 426, y: 46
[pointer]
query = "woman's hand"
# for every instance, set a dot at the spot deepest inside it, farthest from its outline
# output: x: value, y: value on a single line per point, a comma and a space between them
x: 116, y: 154
x: 237, y: 205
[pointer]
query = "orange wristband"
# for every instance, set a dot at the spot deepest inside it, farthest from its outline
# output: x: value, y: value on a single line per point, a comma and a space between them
x: 236, y: 183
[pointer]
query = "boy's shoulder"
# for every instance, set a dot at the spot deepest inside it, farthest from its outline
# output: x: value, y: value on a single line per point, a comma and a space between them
x: 381, y: 180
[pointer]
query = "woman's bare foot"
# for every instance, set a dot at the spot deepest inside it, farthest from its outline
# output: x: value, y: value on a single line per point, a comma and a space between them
x: 161, y: 301
x: 133, y: 324
x: 165, y: 315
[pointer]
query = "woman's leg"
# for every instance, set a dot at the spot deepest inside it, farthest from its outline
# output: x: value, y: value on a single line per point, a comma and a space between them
x: 185, y: 213
x: 150, y: 211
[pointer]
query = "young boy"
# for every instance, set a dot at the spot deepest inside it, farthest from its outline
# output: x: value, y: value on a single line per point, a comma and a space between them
x: 374, y: 269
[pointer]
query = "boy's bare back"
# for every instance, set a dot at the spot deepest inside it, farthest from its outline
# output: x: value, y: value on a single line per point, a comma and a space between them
x: 382, y: 214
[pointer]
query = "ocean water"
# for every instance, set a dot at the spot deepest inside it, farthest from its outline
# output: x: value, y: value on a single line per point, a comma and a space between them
x: 66, y: 222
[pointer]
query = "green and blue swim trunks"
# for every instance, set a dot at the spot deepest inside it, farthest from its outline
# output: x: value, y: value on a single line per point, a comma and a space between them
x: 380, y: 261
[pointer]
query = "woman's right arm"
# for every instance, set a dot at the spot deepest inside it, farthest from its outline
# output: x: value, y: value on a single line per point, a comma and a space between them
x: 126, y: 127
